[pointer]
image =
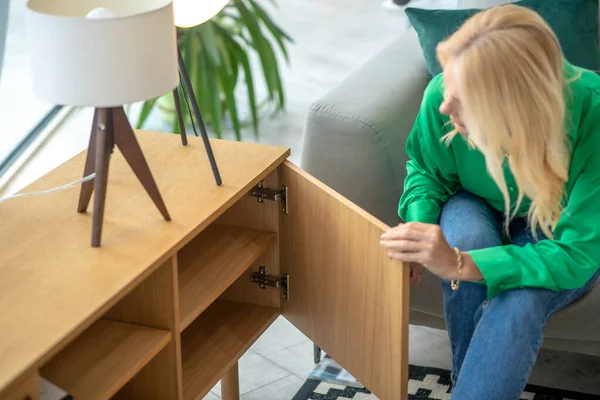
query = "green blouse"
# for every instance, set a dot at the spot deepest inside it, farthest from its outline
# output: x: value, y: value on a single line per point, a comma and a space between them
x: 436, y: 171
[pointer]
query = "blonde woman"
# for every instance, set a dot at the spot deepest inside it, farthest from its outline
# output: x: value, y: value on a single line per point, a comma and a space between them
x: 502, y: 197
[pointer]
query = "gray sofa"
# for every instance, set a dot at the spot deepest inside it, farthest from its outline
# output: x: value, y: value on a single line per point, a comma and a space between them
x: 354, y: 141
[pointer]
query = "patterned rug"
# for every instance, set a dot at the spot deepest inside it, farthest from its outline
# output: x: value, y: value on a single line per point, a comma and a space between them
x: 329, y: 381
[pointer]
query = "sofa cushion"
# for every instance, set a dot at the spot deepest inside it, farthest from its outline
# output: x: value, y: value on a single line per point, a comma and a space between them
x: 575, y: 23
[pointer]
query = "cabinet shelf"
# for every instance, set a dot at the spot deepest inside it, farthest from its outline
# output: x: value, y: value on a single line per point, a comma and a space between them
x: 217, y: 339
x: 104, y: 358
x: 212, y: 262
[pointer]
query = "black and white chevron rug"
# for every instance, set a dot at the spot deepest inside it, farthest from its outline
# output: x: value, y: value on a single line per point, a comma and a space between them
x: 330, y: 382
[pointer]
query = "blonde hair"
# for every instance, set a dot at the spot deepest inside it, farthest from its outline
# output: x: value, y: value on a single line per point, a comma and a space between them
x: 509, y: 74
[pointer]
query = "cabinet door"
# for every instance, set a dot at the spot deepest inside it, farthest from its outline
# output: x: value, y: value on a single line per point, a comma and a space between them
x: 344, y: 292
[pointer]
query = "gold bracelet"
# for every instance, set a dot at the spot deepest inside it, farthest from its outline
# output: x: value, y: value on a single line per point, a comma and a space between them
x: 454, y: 284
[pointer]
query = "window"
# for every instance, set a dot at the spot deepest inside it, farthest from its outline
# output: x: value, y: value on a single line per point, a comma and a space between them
x: 20, y: 110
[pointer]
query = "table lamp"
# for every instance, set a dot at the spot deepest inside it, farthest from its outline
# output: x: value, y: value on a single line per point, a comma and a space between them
x: 190, y: 13
x: 104, y: 53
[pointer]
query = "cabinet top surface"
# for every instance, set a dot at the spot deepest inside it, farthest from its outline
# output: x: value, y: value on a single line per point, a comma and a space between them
x: 52, y: 281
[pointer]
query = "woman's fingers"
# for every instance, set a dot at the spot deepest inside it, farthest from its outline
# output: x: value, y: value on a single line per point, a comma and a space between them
x: 406, y: 257
x: 410, y: 231
x: 419, y: 226
x: 409, y: 246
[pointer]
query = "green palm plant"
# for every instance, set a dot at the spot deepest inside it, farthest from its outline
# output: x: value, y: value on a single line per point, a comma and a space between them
x: 217, y: 54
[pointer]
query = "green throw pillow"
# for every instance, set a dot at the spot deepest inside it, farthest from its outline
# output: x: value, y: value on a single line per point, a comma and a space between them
x: 575, y: 23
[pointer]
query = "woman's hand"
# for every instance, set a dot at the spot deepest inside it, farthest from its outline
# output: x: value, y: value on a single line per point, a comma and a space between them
x: 423, y: 244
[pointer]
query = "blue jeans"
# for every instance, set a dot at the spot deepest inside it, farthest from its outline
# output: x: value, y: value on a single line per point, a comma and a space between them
x: 494, y: 342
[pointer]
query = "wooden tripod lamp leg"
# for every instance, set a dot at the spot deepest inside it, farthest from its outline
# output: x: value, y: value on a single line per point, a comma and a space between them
x: 104, y: 145
x: 90, y: 166
x: 111, y: 127
x: 130, y: 148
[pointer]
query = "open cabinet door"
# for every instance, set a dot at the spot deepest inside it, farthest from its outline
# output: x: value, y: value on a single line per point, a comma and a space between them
x: 344, y: 292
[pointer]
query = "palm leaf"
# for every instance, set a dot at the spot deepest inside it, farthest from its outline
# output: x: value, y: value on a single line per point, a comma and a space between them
x: 145, y: 112
x: 234, y: 17
x: 215, y: 53
x: 276, y: 75
x: 229, y: 90
x: 228, y: 63
x: 202, y: 89
x: 232, y: 60
x: 207, y: 37
x: 239, y: 54
x: 258, y: 41
x: 277, y: 32
x: 209, y: 75
x: 194, y: 62
x: 228, y: 73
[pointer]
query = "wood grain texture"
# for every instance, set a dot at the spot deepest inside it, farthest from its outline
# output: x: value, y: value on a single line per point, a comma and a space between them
x: 212, y: 262
x: 104, y: 358
x: 155, y: 303
x: 152, y: 302
x: 155, y: 380
x: 230, y: 384
x: 27, y: 388
x: 52, y: 293
x: 216, y: 340
x: 249, y: 213
x: 346, y: 295
x: 245, y: 291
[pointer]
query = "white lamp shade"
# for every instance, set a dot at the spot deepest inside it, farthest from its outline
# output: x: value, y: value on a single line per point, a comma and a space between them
x: 127, y: 53
x: 190, y: 13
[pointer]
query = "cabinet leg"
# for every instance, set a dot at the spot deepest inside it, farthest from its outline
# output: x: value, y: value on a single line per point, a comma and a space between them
x: 230, y: 384
x: 316, y: 353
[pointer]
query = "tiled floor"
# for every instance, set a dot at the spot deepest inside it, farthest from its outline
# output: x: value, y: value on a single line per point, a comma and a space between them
x: 276, y: 366
x: 279, y: 362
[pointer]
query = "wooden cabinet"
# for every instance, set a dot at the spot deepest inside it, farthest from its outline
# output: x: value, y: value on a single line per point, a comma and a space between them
x: 163, y: 310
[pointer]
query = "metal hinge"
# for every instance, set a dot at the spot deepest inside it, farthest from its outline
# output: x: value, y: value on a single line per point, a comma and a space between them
x: 263, y: 280
x: 263, y: 193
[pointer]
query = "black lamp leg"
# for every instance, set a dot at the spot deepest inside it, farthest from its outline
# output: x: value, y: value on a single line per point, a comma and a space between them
x: 190, y: 91
x: 180, y: 117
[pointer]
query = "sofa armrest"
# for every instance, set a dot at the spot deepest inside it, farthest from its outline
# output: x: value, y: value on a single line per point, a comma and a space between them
x: 354, y: 139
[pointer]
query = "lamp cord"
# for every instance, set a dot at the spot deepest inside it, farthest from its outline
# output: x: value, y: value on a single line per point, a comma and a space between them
x: 92, y: 176
x: 56, y: 189
x: 187, y: 103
